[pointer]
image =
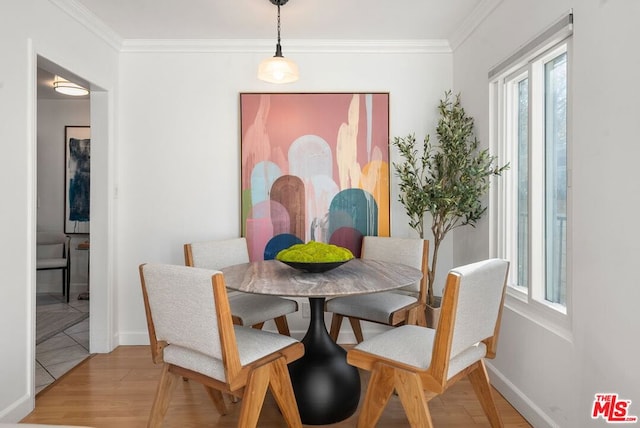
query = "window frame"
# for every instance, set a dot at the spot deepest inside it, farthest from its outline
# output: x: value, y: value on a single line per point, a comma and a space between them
x: 529, y: 63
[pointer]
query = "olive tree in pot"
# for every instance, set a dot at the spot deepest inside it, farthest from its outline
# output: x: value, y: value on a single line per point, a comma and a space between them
x: 448, y: 180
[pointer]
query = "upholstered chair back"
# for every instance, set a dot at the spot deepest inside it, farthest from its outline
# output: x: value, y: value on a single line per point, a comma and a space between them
x: 219, y: 254
x: 407, y: 251
x: 51, y: 245
x: 480, y: 297
x: 51, y: 238
x: 183, y: 307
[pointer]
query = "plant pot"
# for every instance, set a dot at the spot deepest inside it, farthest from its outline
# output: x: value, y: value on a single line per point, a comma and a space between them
x: 433, y: 312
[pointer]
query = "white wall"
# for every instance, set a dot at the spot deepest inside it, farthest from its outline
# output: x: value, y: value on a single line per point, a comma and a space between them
x: 29, y: 28
x: 178, y: 158
x: 552, y: 380
x: 53, y: 116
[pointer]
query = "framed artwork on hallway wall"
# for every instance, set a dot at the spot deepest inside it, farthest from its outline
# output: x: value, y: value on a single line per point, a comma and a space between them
x: 314, y: 166
x: 77, y: 179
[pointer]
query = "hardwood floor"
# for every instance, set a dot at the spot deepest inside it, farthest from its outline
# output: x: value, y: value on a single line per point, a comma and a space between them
x: 117, y: 389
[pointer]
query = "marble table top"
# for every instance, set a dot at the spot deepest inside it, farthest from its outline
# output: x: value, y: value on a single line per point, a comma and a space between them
x: 357, y: 276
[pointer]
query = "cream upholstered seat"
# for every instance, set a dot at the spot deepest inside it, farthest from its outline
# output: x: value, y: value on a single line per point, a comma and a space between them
x: 406, y: 305
x: 420, y: 363
x: 247, y: 309
x: 191, y: 332
x: 53, y: 252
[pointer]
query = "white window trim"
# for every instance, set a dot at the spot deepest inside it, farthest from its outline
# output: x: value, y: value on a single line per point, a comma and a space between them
x: 529, y: 303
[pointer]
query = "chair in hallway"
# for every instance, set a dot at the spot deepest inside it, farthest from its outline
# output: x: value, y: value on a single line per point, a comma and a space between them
x: 421, y: 363
x: 246, y: 309
x: 406, y: 305
x: 207, y: 348
x: 53, y: 251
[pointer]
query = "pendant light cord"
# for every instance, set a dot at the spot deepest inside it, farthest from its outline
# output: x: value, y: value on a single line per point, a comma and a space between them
x: 278, y: 23
x: 278, y: 46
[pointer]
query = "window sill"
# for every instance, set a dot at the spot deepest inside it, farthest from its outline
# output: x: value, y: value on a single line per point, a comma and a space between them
x: 546, y: 317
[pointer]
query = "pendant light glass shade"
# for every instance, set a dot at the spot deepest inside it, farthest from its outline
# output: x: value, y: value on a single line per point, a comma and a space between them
x: 68, y: 88
x: 278, y: 69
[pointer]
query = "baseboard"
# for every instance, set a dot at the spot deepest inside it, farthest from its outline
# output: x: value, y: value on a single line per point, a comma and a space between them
x: 523, y: 404
x: 132, y: 338
x: 17, y: 410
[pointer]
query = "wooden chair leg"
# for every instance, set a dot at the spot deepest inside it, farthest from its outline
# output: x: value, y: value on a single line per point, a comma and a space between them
x: 253, y: 397
x: 411, y: 393
x: 377, y: 395
x: 258, y: 326
x: 422, y: 316
x: 357, y: 329
x: 166, y: 386
x: 282, y: 390
x: 480, y: 382
x: 282, y: 325
x: 336, y: 323
x: 216, y: 397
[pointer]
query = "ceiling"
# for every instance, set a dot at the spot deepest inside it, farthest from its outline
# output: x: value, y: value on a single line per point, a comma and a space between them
x: 256, y: 19
x: 301, y: 19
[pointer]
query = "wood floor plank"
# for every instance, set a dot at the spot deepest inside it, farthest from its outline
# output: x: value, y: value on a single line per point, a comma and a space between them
x: 117, y: 390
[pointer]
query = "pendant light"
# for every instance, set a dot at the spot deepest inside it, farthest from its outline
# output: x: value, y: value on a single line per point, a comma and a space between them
x: 278, y: 69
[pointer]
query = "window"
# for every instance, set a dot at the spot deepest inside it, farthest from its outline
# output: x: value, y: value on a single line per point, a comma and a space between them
x: 529, y: 106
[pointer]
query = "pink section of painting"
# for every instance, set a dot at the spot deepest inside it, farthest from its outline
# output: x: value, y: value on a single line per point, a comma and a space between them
x: 330, y: 143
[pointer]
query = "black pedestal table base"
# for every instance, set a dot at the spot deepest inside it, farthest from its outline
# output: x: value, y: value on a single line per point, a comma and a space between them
x: 327, y: 388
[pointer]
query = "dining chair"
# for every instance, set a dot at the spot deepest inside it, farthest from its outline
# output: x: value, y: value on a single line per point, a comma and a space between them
x: 420, y: 363
x: 53, y: 251
x: 192, y: 334
x: 246, y: 308
x: 406, y: 305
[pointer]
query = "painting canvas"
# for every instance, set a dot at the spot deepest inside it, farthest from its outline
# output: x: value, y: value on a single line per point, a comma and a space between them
x: 77, y: 179
x: 315, y: 166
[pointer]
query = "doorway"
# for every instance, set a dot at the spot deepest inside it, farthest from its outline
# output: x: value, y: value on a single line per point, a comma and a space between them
x: 62, y: 328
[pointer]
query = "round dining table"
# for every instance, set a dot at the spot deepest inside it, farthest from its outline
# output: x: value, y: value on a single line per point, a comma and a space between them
x: 326, y: 387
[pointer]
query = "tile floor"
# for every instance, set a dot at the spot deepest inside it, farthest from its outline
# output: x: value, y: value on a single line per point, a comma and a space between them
x: 62, y: 352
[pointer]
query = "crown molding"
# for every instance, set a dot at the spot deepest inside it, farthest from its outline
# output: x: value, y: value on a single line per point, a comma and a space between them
x: 468, y: 26
x: 289, y: 46
x: 86, y: 18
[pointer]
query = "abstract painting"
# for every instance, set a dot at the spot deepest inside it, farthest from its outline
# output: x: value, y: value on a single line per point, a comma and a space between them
x: 315, y: 166
x: 77, y: 179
